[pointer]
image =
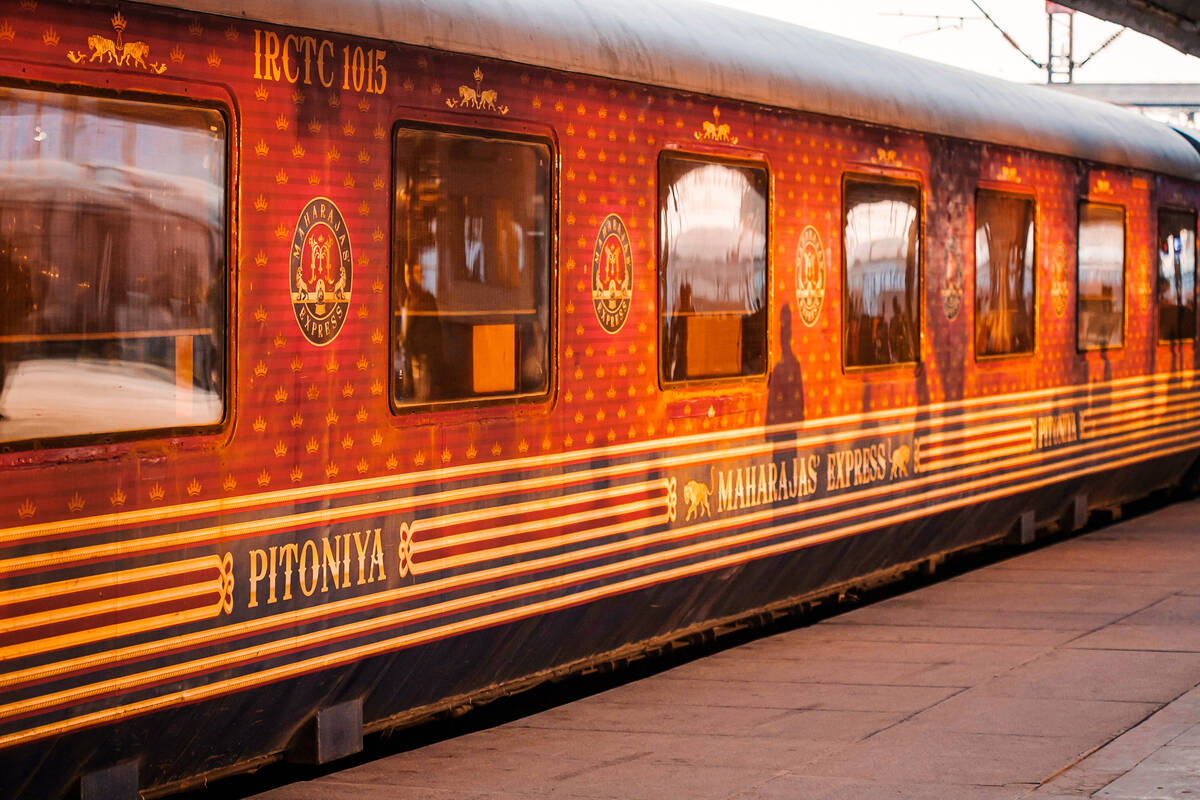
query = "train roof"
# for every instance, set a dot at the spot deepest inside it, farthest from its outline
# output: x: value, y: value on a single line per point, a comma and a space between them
x: 697, y: 47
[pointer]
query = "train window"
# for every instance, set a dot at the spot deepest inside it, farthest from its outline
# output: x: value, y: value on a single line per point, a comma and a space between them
x: 1100, y: 312
x: 882, y: 227
x: 112, y: 265
x: 1176, y: 275
x: 712, y: 279
x: 471, y: 267
x: 1004, y: 274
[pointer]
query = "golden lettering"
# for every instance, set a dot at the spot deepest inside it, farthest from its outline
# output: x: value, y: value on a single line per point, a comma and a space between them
x: 258, y: 571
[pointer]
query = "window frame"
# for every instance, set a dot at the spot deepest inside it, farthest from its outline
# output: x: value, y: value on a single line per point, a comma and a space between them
x: 483, y: 129
x: 706, y: 157
x: 864, y: 176
x: 1124, y: 275
x: 1010, y: 191
x: 1191, y: 212
x: 206, y: 98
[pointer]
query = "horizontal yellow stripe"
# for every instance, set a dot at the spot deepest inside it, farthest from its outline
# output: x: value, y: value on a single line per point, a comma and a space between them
x: 1025, y: 436
x: 351, y: 655
x: 106, y: 633
x: 1135, y: 385
x: 108, y: 579
x: 1021, y: 425
x: 111, y: 606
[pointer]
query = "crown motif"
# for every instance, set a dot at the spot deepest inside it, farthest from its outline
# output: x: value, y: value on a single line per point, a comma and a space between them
x: 311, y: 446
x: 280, y: 449
x: 376, y: 387
x: 176, y: 54
x: 347, y: 442
x: 377, y: 336
x: 408, y: 84
x: 261, y: 92
x: 331, y: 471
x: 362, y: 466
x: 364, y: 106
x: 523, y: 447
x: 260, y: 258
x: 260, y: 314
x: 335, y: 101
x: 29, y: 5
x: 471, y: 451
x: 313, y: 392
x: 364, y: 157
x: 118, y: 23
x: 297, y: 475
x: 1103, y: 186
x: 379, y: 133
x: 361, y: 415
x: 76, y: 503
x: 297, y: 420
x: 157, y: 492
x: 264, y: 478
x: 362, y: 364
x: 260, y: 424
x: 297, y: 97
x: 715, y: 131
x: 50, y: 37
x: 298, y: 151
x: 332, y: 156
x: 314, y: 126
x: 26, y: 509
x: 347, y: 391
x: 363, y: 312
x: 364, y: 208
x: 331, y: 418
x: 117, y: 498
x: 281, y: 232
x: 348, y: 182
x: 348, y: 129
x: 281, y: 177
x: 377, y: 235
x: 313, y: 178
x: 195, y: 29
x: 281, y: 395
x: 297, y: 364
x: 331, y: 366
x: 229, y: 484
x: 261, y: 149
x: 376, y: 439
x: 496, y: 449
x: 281, y: 123
x: 419, y: 458
x: 7, y: 34
x: 213, y: 59
x: 231, y: 33
x: 392, y: 462
x: 446, y: 456
x: 193, y: 488
x: 261, y: 204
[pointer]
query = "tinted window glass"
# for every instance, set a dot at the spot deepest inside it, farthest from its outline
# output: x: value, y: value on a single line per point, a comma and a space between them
x: 712, y: 268
x: 1101, y: 309
x: 1004, y: 273
x: 471, y: 277
x: 112, y: 265
x: 1176, y: 275
x: 882, y: 252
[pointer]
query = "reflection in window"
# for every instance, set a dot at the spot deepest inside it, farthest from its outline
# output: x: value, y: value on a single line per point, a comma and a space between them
x: 1176, y: 275
x: 1004, y: 292
x: 882, y: 243
x: 1101, y: 309
x: 712, y: 268
x: 471, y: 272
x: 112, y: 265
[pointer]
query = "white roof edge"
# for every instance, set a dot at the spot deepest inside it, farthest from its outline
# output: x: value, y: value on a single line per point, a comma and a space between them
x: 713, y: 50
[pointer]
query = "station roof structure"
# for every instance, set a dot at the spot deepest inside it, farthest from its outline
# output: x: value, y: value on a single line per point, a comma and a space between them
x: 1176, y: 22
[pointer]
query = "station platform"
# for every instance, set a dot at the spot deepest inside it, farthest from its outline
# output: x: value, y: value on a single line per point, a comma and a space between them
x: 1068, y: 671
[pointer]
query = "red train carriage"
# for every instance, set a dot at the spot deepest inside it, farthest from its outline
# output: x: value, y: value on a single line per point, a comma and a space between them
x: 359, y: 364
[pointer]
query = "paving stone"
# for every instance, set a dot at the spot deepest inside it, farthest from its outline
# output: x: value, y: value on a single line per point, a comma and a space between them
x: 1172, y: 772
x: 791, y: 787
x: 1083, y: 720
x: 1145, y: 677
x: 1022, y: 598
x: 835, y: 629
x: 1079, y: 622
x: 1123, y: 636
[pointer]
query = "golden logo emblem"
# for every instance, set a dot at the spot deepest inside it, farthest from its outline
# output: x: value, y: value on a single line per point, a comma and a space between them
x: 320, y: 271
x: 810, y: 276
x: 1058, y: 282
x: 612, y: 274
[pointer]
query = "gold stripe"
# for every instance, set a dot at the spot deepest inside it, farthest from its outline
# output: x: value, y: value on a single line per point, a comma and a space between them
x: 103, y: 581
x: 351, y: 655
x: 107, y: 632
x: 978, y: 431
x: 350, y: 605
x: 114, y: 606
x: 1025, y: 436
x: 1138, y: 384
x: 914, y: 507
